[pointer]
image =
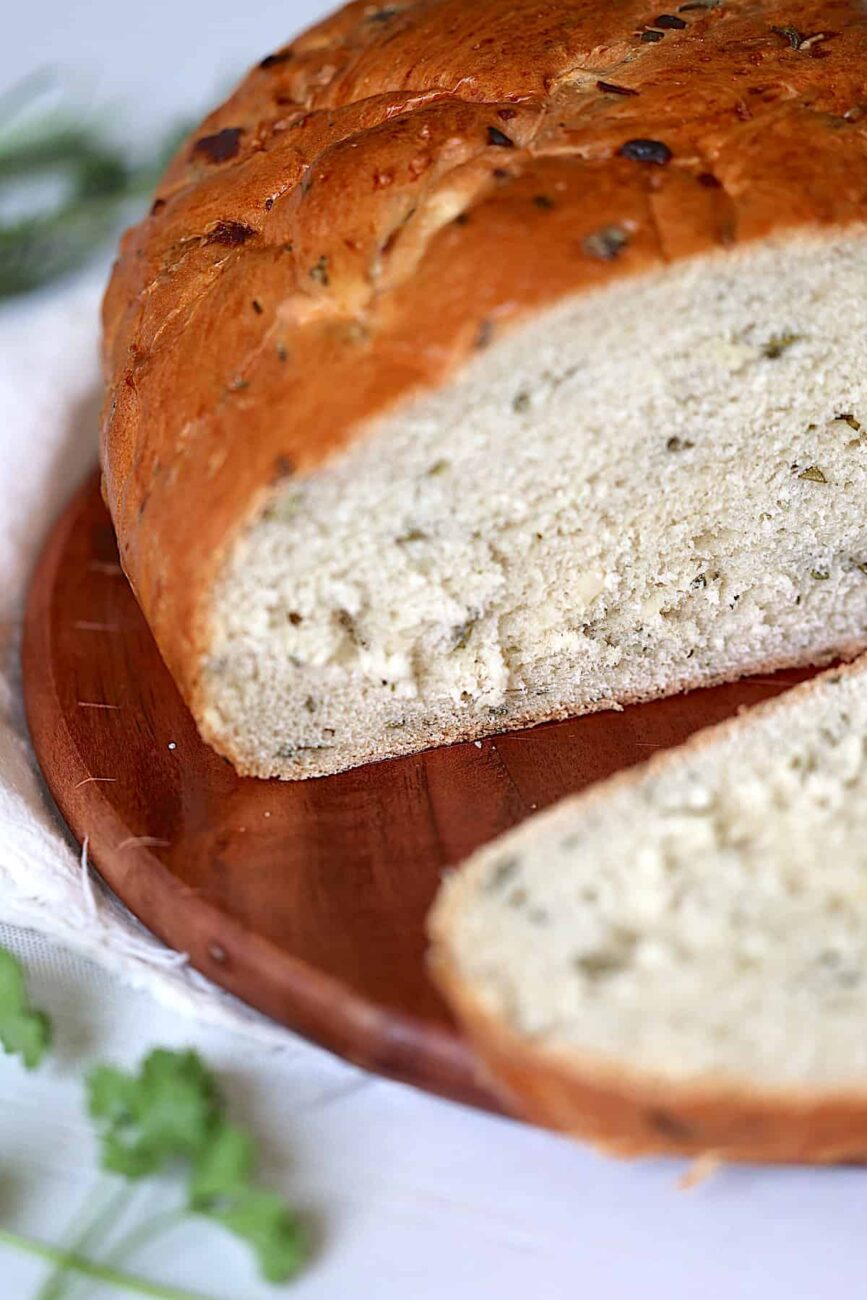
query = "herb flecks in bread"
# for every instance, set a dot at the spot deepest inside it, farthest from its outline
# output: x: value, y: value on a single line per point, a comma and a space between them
x: 544, y: 261
x: 704, y: 953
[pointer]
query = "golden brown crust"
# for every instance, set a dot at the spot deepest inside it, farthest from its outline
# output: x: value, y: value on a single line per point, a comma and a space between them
x: 402, y: 182
x: 630, y: 1113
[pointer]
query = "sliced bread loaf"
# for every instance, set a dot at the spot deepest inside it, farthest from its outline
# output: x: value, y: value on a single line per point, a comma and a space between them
x: 480, y: 364
x: 676, y: 960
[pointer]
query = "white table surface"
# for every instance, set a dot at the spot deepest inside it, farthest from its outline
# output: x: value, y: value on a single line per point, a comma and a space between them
x: 411, y: 1198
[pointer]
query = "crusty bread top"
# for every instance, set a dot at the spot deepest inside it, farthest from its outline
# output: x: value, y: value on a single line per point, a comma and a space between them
x: 383, y: 196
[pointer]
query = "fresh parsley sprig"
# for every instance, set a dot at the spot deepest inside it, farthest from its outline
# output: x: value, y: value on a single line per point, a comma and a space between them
x: 99, y: 187
x: 23, y: 1031
x: 170, y: 1115
x: 172, y: 1111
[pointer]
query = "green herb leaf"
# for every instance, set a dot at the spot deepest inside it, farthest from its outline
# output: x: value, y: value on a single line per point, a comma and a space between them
x: 99, y: 185
x: 172, y: 1110
x: 225, y: 1164
x: 262, y: 1220
x: 23, y: 1031
x: 220, y: 1189
x: 166, y: 1112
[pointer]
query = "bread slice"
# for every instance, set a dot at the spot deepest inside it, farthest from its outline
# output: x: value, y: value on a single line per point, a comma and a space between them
x: 676, y: 960
x: 645, y: 490
x: 460, y: 382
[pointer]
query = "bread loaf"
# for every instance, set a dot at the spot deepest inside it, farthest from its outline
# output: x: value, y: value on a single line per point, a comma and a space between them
x: 676, y: 961
x: 480, y: 364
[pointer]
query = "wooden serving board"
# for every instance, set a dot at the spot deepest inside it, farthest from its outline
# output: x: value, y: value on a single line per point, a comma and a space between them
x: 306, y: 899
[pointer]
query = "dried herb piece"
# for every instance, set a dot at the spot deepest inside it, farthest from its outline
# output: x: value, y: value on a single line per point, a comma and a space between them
x: 220, y: 147
x: 462, y: 633
x: 675, y: 443
x: 543, y: 201
x: 646, y: 151
x: 284, y: 467
x: 605, y: 244
x: 848, y: 418
x: 437, y: 468
x: 669, y: 22
x: 791, y: 34
x: 344, y: 619
x: 295, y: 618
x: 609, y: 88
x: 484, y: 334
x: 257, y: 307
x: 670, y: 1126
x: 274, y: 60
x: 319, y: 271
x: 820, y: 575
x: 777, y: 344
x: 499, y: 138
x: 383, y: 15
x: 521, y: 403
x: 230, y: 233
x: 813, y: 474
x: 600, y: 965
x: 502, y: 873
x: 411, y: 535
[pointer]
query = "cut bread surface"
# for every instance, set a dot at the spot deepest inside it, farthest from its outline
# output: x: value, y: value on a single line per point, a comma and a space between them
x: 693, y: 930
x: 644, y: 488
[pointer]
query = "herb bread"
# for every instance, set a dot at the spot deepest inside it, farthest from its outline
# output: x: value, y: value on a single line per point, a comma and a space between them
x: 676, y: 961
x: 480, y: 364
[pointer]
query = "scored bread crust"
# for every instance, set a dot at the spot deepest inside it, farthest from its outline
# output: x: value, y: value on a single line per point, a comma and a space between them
x: 402, y: 183
x: 629, y: 1113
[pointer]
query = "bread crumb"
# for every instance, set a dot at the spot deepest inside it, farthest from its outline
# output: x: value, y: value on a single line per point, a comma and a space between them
x: 699, y: 1171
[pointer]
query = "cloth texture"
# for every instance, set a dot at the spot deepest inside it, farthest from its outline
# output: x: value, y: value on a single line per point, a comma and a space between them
x: 49, y: 407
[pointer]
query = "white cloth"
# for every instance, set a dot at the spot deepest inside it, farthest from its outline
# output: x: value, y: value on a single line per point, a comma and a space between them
x: 412, y: 1198
x: 49, y: 394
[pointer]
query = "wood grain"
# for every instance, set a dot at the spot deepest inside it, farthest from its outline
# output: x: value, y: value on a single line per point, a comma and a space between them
x: 306, y: 899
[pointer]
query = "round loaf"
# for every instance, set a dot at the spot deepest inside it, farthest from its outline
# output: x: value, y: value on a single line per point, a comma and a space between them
x: 401, y: 186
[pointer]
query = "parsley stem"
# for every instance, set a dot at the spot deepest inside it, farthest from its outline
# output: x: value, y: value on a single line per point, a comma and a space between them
x: 110, y: 1206
x: 144, y: 1233
x: 100, y: 1272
